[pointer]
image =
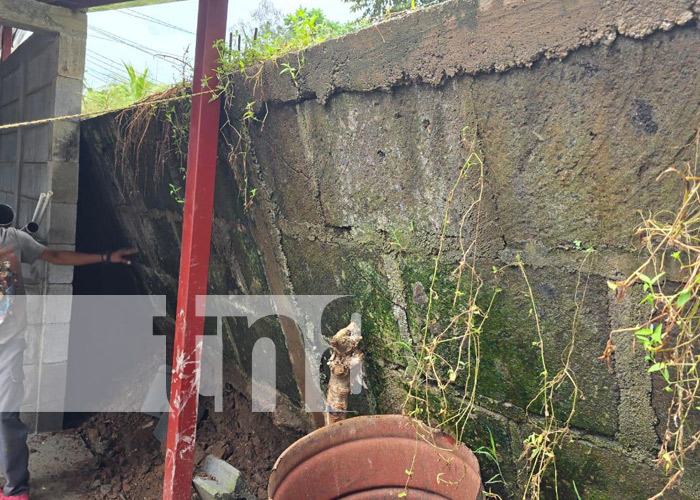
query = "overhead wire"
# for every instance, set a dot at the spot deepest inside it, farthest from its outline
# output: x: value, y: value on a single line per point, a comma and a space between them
x: 109, y: 36
x: 154, y: 20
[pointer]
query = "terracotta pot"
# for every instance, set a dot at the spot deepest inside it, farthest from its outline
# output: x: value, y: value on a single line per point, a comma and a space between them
x: 367, y: 458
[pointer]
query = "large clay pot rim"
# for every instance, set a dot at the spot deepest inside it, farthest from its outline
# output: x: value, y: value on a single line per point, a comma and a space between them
x: 361, y: 428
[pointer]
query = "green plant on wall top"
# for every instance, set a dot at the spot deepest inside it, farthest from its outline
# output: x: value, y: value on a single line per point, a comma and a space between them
x: 670, y: 282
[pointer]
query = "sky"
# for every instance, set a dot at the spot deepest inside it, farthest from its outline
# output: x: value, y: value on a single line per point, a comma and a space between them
x: 142, y: 36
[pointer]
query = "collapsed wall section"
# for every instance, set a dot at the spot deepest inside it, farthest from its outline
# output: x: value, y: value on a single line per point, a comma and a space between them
x: 342, y: 185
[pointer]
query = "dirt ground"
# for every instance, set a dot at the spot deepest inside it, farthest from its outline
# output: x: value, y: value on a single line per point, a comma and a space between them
x: 129, y: 460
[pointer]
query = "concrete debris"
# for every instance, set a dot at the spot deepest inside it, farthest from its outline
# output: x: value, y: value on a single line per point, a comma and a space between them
x: 219, y: 480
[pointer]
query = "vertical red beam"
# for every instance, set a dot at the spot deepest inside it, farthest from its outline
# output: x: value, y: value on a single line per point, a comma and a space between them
x: 6, y: 42
x: 194, y: 257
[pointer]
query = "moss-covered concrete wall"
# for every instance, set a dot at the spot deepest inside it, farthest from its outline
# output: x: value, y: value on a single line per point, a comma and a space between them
x: 578, y: 106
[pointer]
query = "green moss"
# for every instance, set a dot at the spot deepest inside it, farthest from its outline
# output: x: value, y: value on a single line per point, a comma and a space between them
x: 602, y: 474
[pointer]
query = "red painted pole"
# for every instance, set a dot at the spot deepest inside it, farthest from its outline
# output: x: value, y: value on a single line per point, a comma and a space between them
x: 6, y: 42
x: 194, y: 257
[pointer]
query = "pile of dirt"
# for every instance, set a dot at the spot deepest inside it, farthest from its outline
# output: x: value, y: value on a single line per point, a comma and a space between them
x: 131, y: 461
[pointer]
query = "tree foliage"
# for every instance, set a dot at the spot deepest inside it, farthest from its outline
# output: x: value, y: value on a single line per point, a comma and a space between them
x: 121, y: 93
x: 378, y: 8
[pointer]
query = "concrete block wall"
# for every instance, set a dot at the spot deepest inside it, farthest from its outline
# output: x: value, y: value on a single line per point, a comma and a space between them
x: 579, y: 107
x: 42, y: 79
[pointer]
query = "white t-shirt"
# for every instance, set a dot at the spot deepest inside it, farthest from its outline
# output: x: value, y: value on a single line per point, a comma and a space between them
x: 16, y: 247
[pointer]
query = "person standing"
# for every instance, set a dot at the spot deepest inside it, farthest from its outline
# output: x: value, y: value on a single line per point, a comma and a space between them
x: 17, y: 247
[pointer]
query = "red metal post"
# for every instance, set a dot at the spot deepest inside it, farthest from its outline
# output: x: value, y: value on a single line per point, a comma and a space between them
x: 6, y: 42
x: 194, y: 257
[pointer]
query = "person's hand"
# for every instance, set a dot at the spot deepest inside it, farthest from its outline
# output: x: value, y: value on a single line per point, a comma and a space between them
x: 119, y: 256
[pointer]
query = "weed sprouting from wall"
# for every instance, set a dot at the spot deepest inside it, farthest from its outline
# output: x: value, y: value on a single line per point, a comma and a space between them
x: 670, y: 337
x: 153, y: 136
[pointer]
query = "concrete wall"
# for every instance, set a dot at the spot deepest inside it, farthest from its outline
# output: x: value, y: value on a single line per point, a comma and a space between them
x: 43, y: 78
x: 578, y: 106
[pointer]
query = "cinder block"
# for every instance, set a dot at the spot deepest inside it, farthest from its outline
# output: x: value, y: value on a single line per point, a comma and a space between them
x: 55, y: 343
x: 42, y: 67
x: 7, y: 198
x: 10, y: 85
x: 68, y: 96
x: 64, y: 181
x: 8, y: 148
x: 35, y: 180
x: 71, y: 56
x: 222, y: 481
x: 66, y: 141
x: 57, y: 304
x: 61, y: 223
x: 61, y: 274
x: 10, y: 113
x: 8, y: 174
x: 39, y: 103
x: 35, y: 307
x: 52, y: 383
x: 35, y: 143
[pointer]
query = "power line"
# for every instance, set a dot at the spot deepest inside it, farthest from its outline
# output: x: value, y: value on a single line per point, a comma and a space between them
x: 106, y: 60
x: 130, y: 43
x: 97, y: 77
x: 154, y: 20
x: 103, y: 67
x: 111, y: 65
x: 100, y: 75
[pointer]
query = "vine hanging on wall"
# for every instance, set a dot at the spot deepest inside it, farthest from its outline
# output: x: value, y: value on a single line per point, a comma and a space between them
x: 670, y: 336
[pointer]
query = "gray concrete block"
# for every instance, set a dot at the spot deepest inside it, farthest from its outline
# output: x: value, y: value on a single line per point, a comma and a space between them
x: 8, y: 147
x: 10, y: 112
x: 65, y: 142
x: 61, y: 274
x: 42, y: 64
x: 68, y: 96
x: 221, y: 481
x: 64, y: 181
x: 35, y: 180
x: 8, y: 174
x: 7, y: 198
x: 38, y: 16
x: 35, y: 143
x: 71, y: 56
x: 10, y: 85
x: 57, y: 304
x: 39, y: 103
x: 52, y: 383
x: 61, y: 223
x: 35, y: 306
x: 55, y: 343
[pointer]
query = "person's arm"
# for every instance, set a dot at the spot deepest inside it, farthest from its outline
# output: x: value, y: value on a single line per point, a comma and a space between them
x: 68, y: 258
